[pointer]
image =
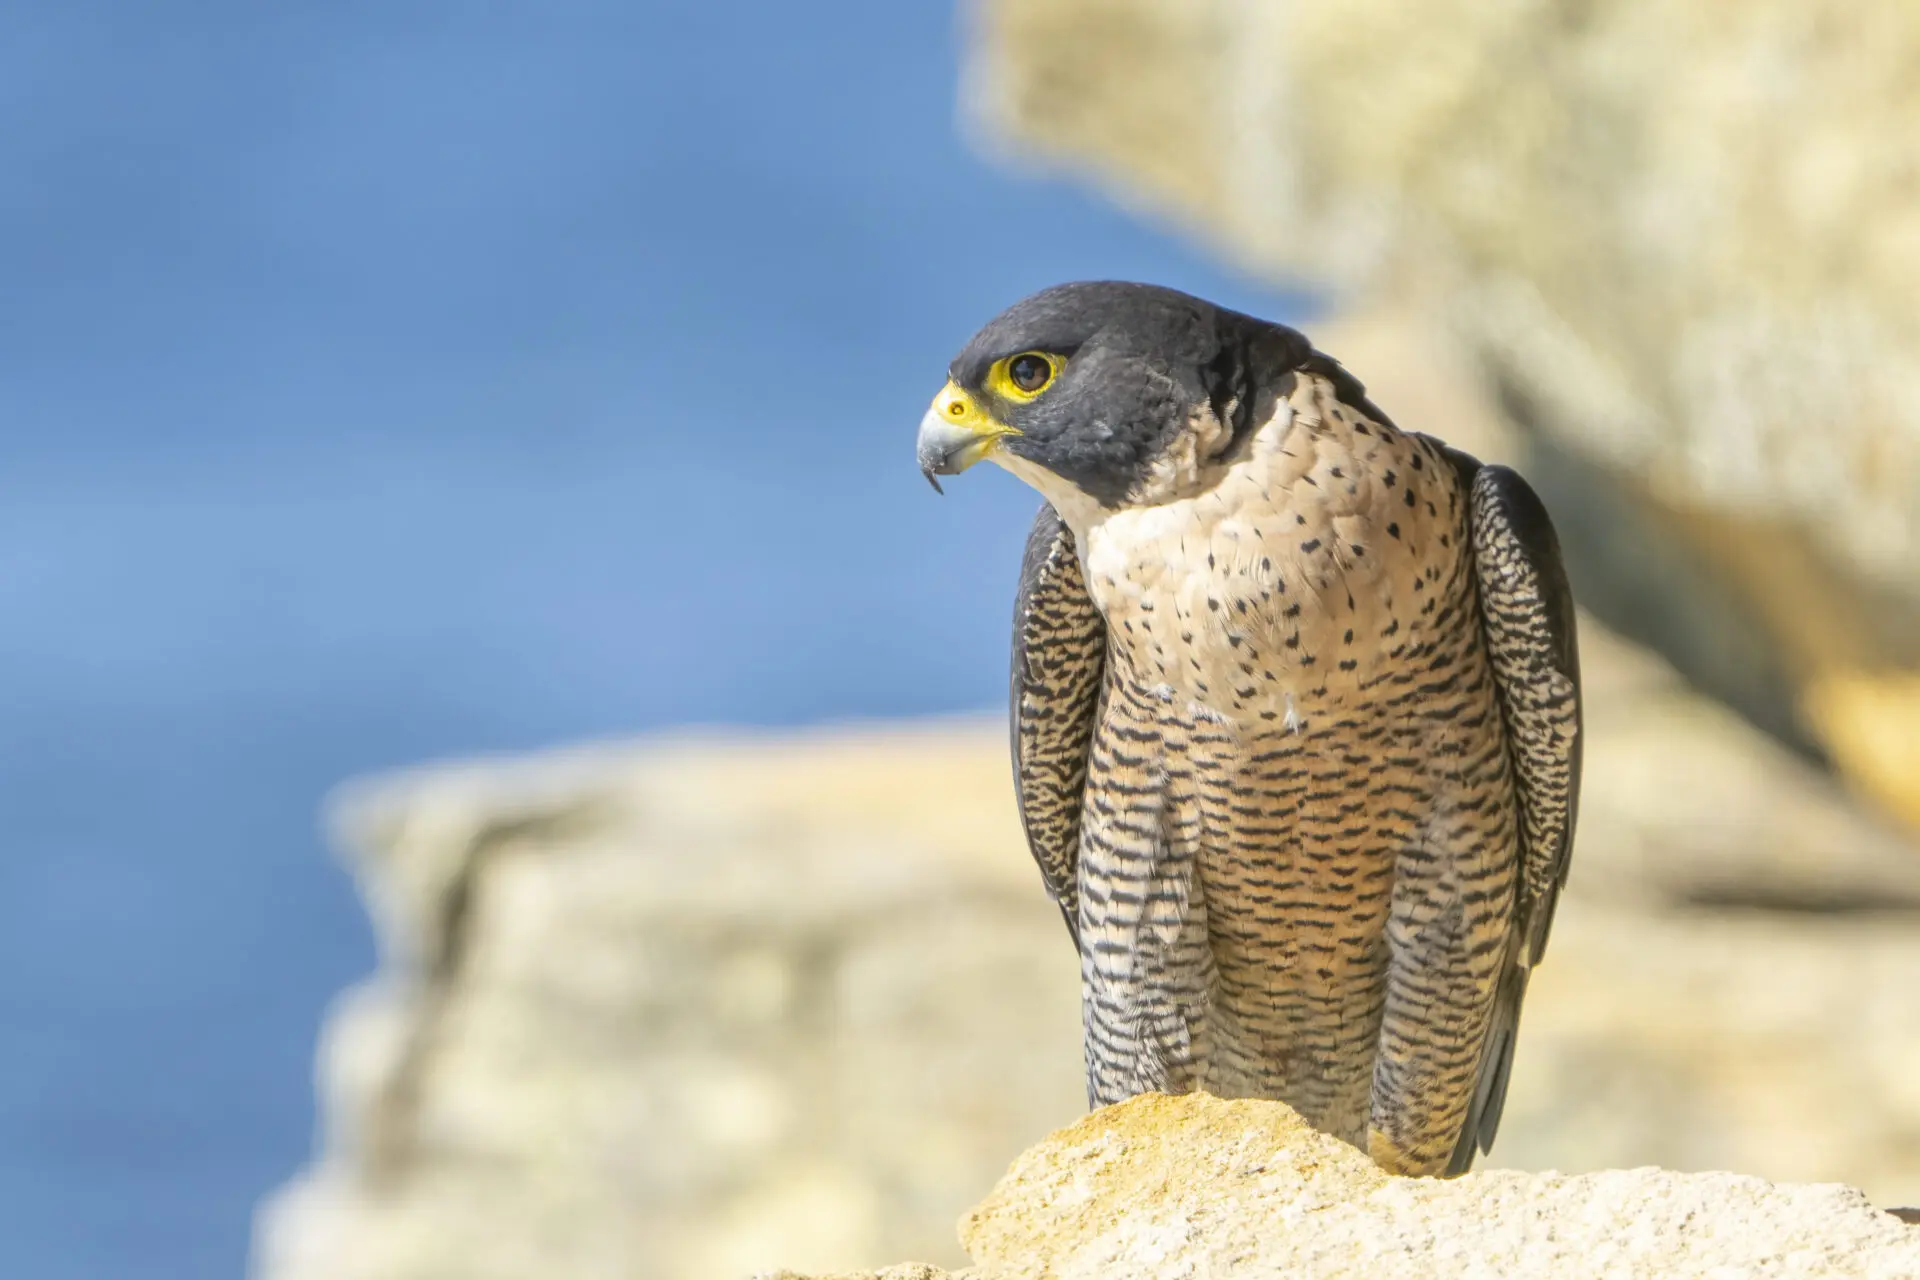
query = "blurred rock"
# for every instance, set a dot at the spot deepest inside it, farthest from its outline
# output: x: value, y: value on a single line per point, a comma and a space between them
x: 1873, y: 722
x: 708, y: 1005
x: 1194, y: 1186
x: 1679, y: 244
x: 686, y: 1009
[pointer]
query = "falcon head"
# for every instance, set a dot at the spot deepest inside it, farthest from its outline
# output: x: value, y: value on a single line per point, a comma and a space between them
x: 1082, y: 389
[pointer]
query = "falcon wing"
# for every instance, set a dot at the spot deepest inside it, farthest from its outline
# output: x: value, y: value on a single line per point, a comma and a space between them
x: 1059, y: 657
x: 1526, y: 614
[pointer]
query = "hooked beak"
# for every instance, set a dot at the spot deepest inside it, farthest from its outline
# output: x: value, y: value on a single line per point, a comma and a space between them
x: 955, y: 434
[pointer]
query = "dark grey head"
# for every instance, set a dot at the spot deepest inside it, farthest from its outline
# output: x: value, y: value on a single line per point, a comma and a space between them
x: 1094, y: 381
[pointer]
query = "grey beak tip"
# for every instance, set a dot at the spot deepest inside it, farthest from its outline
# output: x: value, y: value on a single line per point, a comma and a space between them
x: 928, y: 473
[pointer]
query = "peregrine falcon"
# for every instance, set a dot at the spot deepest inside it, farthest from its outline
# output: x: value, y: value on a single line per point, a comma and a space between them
x: 1296, y: 714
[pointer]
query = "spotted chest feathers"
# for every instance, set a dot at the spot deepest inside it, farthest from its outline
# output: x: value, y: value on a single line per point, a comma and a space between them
x: 1264, y: 586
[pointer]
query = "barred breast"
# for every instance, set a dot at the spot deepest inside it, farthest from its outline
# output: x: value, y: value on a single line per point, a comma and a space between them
x: 1298, y: 848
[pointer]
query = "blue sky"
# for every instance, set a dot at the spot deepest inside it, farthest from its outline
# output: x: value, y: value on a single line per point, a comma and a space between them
x: 381, y: 382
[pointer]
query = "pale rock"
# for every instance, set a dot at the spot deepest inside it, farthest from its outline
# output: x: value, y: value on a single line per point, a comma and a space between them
x: 1161, y: 1188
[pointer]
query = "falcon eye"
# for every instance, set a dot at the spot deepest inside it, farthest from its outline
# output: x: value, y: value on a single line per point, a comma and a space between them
x: 1030, y: 372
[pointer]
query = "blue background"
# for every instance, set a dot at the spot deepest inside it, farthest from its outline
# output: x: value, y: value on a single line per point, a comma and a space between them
x: 382, y: 381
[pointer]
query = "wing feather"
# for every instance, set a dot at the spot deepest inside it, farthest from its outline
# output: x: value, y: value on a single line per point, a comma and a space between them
x: 1059, y: 661
x: 1527, y: 617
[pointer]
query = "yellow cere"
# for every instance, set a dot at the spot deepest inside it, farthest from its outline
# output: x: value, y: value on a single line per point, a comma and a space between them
x: 959, y: 408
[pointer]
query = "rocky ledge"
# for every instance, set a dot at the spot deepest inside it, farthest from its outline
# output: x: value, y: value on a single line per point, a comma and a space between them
x: 1201, y: 1187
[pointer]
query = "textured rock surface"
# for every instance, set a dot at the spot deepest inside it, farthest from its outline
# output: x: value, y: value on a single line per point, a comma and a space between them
x: 695, y: 1008
x: 1680, y: 242
x: 1162, y: 1187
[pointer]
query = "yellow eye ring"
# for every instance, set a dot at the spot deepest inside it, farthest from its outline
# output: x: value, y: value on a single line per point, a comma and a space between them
x: 1022, y: 377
